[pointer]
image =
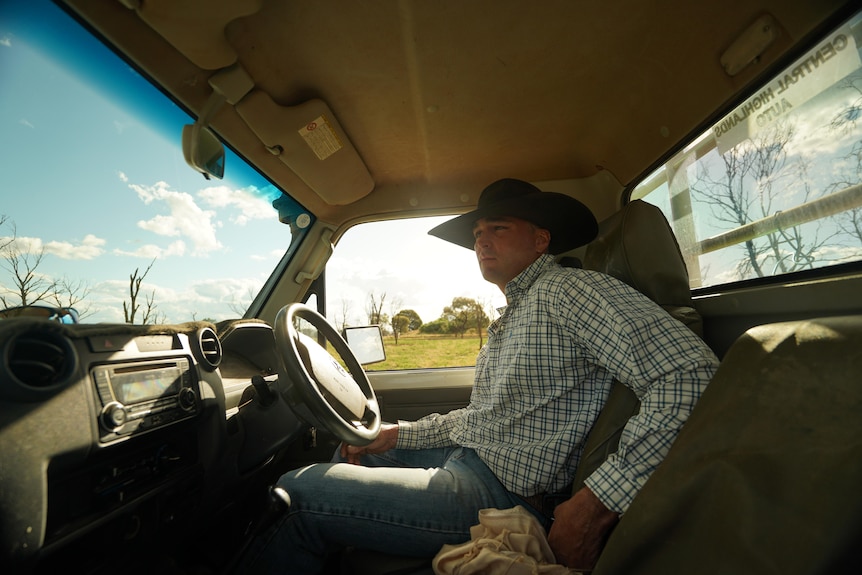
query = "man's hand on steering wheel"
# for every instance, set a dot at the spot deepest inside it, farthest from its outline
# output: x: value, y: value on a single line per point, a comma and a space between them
x: 385, y: 441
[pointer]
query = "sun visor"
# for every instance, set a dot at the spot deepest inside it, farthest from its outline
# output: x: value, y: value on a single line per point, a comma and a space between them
x: 196, y: 27
x: 311, y: 142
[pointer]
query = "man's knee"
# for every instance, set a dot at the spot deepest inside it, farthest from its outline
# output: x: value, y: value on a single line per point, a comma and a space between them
x: 305, y: 479
x: 320, y: 484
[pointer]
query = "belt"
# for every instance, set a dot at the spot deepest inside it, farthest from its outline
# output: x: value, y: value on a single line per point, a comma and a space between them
x: 545, y: 503
x: 537, y: 501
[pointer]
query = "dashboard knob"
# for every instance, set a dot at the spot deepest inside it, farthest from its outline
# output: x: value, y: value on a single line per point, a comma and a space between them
x: 113, y: 416
x: 187, y: 398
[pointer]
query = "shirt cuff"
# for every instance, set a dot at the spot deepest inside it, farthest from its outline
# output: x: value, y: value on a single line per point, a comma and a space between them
x: 409, y: 435
x: 612, y: 487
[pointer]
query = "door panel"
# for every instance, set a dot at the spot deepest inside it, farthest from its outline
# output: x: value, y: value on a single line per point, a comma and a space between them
x: 411, y: 394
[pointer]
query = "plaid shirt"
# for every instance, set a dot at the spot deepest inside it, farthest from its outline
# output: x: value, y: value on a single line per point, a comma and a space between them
x: 546, y: 371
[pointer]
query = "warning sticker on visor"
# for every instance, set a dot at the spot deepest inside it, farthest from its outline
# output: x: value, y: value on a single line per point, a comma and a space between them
x: 321, y: 138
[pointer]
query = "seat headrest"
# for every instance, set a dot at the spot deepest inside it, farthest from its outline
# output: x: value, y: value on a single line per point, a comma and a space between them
x: 636, y: 245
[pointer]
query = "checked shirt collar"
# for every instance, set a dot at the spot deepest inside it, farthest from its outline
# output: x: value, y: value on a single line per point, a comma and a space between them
x: 520, y: 285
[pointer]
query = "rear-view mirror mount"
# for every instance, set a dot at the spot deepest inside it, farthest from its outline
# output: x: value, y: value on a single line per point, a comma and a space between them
x: 203, y: 151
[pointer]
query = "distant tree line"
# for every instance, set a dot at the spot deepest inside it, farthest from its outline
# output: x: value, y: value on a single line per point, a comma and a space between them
x: 463, y: 315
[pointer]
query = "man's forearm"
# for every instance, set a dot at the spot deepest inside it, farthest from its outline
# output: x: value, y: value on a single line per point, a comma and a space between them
x: 431, y: 431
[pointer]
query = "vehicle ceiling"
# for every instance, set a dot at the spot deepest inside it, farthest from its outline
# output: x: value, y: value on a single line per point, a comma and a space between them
x: 441, y: 97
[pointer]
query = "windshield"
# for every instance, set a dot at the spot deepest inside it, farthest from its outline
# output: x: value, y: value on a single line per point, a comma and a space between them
x: 99, y: 210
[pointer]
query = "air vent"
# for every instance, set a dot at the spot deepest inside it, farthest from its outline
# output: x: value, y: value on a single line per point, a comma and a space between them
x: 40, y: 361
x: 209, y: 349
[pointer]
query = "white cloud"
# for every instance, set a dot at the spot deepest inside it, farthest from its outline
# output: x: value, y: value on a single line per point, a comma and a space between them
x: 152, y: 251
x: 6, y: 41
x: 214, y: 298
x: 22, y: 244
x: 109, y: 296
x: 89, y: 248
x: 25, y: 122
x: 839, y: 254
x: 250, y: 205
x: 123, y: 177
x: 7, y: 293
x: 162, y: 225
x: 186, y: 218
x: 227, y: 290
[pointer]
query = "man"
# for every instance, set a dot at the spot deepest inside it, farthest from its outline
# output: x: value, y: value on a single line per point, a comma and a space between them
x: 541, y: 379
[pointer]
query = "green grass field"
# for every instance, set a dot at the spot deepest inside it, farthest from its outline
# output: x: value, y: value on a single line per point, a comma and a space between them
x: 416, y: 351
x: 425, y: 351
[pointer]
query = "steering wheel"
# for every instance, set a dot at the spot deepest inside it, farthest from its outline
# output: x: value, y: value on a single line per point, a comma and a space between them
x: 317, y: 387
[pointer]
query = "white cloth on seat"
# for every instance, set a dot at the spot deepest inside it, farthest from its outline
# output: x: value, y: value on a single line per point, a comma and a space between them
x: 505, y: 542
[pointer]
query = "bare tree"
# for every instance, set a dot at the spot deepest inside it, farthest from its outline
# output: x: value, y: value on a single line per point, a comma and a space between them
x: 30, y: 285
x: 345, y: 312
x: 746, y: 191
x: 239, y: 307
x: 375, y: 309
x: 130, y: 308
x: 4, y: 241
x: 151, y: 316
x: 845, y: 121
x: 73, y: 293
x: 728, y: 198
x: 22, y: 264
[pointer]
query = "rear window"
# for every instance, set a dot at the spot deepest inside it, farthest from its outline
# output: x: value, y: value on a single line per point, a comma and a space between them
x: 774, y: 187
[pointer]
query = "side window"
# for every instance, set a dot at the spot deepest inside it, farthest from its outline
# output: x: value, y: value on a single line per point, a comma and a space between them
x: 426, y: 294
x: 774, y: 187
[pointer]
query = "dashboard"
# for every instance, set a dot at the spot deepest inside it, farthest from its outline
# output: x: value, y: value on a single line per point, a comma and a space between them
x: 112, y: 434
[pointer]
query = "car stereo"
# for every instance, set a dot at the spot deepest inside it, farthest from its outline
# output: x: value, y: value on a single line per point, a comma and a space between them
x: 142, y: 396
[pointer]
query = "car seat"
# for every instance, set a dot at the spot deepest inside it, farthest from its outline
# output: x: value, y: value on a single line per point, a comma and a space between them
x: 636, y: 246
x: 764, y: 477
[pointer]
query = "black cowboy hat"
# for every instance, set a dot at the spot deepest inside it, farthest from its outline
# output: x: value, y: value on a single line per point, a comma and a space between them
x: 570, y: 222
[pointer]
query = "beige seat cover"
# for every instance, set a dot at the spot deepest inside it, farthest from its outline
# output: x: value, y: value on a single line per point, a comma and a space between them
x: 766, y: 476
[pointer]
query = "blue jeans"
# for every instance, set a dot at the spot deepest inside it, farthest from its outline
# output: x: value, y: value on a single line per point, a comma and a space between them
x: 406, y: 502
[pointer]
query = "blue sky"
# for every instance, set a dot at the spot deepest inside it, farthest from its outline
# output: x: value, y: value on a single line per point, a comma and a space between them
x: 103, y: 191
